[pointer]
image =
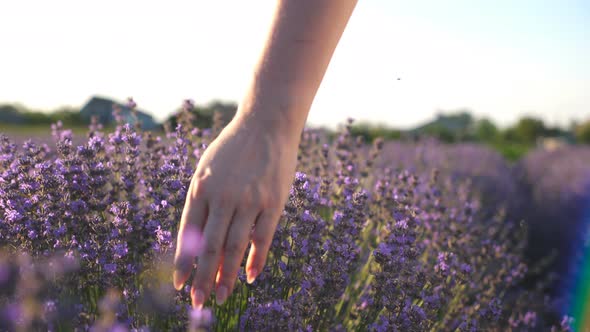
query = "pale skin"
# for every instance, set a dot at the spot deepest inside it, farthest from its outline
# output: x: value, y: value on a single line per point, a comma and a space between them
x: 242, y: 181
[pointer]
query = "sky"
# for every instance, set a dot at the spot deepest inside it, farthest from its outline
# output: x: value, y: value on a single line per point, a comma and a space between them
x: 500, y: 59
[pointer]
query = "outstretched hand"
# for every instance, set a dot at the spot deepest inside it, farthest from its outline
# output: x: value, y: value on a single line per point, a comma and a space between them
x: 237, y: 194
x: 243, y: 178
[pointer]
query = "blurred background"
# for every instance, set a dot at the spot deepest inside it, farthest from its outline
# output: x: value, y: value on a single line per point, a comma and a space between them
x: 398, y: 64
x: 500, y: 88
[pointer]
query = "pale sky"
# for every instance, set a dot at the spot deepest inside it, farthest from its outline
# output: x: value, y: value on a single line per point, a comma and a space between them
x: 502, y: 59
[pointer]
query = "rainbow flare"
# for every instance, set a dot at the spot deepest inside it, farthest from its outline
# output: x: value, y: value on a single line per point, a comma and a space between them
x: 579, y: 307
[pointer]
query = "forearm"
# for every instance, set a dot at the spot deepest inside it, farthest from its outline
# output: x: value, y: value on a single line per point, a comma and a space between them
x: 300, y: 44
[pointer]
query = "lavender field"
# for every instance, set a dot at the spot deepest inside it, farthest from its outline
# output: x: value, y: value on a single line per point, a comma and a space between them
x: 386, y: 236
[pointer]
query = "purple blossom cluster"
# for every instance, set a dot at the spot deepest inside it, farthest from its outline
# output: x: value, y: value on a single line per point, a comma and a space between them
x: 490, y: 176
x: 113, y: 204
x: 361, y: 244
x: 558, y: 186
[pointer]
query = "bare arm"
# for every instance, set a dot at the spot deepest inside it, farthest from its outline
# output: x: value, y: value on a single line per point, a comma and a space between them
x: 300, y: 44
x: 243, y: 178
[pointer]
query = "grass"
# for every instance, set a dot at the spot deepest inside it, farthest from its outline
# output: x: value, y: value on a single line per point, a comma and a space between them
x: 512, y: 151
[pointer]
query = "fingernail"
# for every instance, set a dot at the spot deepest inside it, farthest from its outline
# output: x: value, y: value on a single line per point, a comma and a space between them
x: 176, y: 280
x: 221, y: 295
x: 198, y: 299
x: 252, y: 274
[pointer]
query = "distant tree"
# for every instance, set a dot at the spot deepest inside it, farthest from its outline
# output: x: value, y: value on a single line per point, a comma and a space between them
x: 371, y: 131
x: 9, y: 109
x: 20, y: 115
x: 450, y: 127
x: 441, y: 133
x: 485, y: 130
x: 69, y: 116
x: 582, y: 132
x: 11, y: 114
x: 509, y: 135
x: 36, y: 118
x: 528, y: 129
x: 204, y: 116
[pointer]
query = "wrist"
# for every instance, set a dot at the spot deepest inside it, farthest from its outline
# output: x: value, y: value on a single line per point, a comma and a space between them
x: 279, y: 119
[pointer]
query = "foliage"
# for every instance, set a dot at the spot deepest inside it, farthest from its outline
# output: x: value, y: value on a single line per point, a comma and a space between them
x: 214, y: 115
x: 486, y: 131
x: 11, y: 114
x: 16, y: 114
x: 370, y: 132
x: 448, y: 128
x: 528, y: 129
x: 511, y: 151
x: 582, y: 132
x: 70, y: 117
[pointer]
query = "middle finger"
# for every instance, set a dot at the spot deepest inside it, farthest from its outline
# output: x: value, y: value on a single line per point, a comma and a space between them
x: 213, y: 235
x: 236, y: 242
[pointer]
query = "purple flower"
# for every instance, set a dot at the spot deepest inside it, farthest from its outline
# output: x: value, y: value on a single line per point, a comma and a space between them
x: 566, y: 323
x: 466, y: 268
x: 131, y: 268
x: 13, y: 216
x: 32, y: 234
x: 416, y: 237
x: 200, y: 318
x: 131, y: 103
x: 110, y: 267
x: 49, y: 308
x: 78, y: 206
x: 530, y: 319
x: 120, y: 250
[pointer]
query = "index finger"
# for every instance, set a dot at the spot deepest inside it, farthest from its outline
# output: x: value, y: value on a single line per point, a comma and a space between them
x: 189, y: 240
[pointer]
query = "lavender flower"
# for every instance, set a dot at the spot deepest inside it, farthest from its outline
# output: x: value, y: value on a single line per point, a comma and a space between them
x: 379, y: 238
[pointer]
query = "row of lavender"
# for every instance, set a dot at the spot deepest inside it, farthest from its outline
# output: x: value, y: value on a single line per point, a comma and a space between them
x: 87, y: 233
x: 550, y: 190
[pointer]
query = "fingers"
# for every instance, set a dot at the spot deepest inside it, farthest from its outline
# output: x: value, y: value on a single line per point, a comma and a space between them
x: 214, y: 236
x: 261, y: 240
x: 236, y: 242
x: 189, y: 240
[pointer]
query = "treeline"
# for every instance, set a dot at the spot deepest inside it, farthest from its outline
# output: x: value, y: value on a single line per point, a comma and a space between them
x: 213, y: 114
x: 20, y: 115
x: 460, y: 127
x: 513, y: 141
x: 450, y: 127
x: 205, y: 116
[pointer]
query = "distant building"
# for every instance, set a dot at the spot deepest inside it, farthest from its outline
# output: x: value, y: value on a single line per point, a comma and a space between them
x: 102, y: 108
x: 552, y: 143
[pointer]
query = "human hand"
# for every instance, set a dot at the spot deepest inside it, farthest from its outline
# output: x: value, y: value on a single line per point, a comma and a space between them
x: 242, y: 179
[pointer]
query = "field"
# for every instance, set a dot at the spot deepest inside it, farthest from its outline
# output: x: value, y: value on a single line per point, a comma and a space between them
x: 386, y: 236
